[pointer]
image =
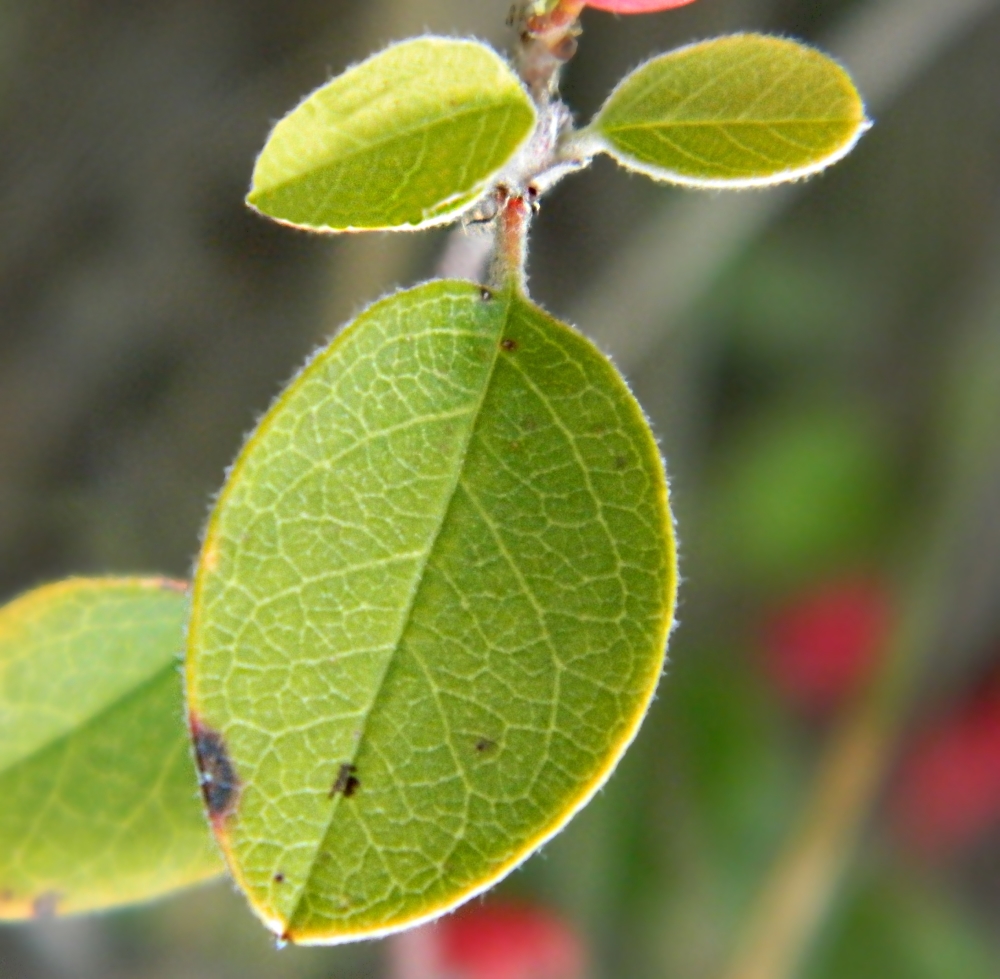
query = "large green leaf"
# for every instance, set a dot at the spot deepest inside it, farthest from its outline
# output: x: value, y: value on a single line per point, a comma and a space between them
x: 99, y: 794
x: 408, y: 138
x: 430, y: 611
x: 739, y: 111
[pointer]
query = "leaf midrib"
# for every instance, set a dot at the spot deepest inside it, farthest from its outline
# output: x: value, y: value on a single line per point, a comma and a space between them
x: 489, y: 104
x: 100, y: 714
x: 98, y: 709
x: 702, y: 123
x: 509, y: 298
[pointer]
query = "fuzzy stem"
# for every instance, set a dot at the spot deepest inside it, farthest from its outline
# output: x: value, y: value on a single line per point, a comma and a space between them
x: 510, y: 252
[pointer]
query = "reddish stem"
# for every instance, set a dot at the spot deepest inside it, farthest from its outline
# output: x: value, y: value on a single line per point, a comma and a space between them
x: 513, y: 215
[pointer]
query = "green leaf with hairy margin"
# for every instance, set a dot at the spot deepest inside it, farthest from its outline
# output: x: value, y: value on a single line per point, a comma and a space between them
x: 407, y: 139
x: 100, y: 798
x: 430, y: 611
x: 739, y: 111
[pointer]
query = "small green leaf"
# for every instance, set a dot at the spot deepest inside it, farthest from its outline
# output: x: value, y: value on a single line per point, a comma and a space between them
x: 430, y: 611
x: 100, y: 799
x: 739, y: 111
x: 407, y: 139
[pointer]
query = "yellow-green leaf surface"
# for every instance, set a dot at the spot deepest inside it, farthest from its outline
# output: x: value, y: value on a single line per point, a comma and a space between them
x: 406, y: 139
x: 98, y: 794
x: 430, y: 611
x: 740, y: 111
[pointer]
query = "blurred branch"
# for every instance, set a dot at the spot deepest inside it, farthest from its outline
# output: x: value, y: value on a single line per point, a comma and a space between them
x: 962, y: 548
x: 674, y: 259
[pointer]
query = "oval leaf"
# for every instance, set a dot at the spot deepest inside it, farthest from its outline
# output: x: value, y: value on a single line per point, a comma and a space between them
x: 740, y: 111
x: 407, y: 139
x: 100, y: 800
x: 430, y: 611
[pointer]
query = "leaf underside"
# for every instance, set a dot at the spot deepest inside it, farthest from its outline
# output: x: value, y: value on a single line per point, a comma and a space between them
x: 430, y: 611
x: 408, y: 138
x: 740, y: 111
x: 99, y: 796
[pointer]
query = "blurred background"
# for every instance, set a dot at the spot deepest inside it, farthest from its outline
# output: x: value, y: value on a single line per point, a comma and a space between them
x: 816, y: 791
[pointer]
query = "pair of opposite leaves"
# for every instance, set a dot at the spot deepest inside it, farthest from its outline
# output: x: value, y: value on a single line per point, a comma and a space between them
x: 432, y: 603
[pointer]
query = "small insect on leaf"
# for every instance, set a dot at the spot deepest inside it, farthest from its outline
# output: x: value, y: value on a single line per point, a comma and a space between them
x: 347, y: 782
x: 740, y: 111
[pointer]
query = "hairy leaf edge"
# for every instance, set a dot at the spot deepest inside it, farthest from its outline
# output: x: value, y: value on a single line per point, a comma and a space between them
x: 467, y: 199
x: 587, y: 793
x: 590, y: 140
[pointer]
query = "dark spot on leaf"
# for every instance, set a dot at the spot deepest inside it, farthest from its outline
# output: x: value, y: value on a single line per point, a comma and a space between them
x: 485, y: 745
x: 220, y: 787
x: 485, y: 294
x: 279, y: 878
x: 508, y: 344
x: 529, y: 424
x: 621, y: 462
x: 44, y: 906
x: 347, y: 783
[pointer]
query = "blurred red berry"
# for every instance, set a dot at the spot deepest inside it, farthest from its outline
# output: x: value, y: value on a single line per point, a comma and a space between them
x: 947, y: 794
x: 821, y: 646
x: 636, y: 6
x: 498, y: 941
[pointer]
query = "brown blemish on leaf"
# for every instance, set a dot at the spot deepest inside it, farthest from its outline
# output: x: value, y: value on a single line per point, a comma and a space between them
x: 485, y: 745
x: 620, y: 462
x: 279, y: 878
x: 220, y: 786
x: 509, y: 344
x: 347, y: 783
x: 45, y: 905
x: 485, y: 294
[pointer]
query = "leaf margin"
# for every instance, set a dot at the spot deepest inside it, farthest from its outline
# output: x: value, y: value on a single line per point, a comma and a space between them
x: 464, y: 201
x: 616, y: 750
x: 13, y: 909
x: 591, y: 140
